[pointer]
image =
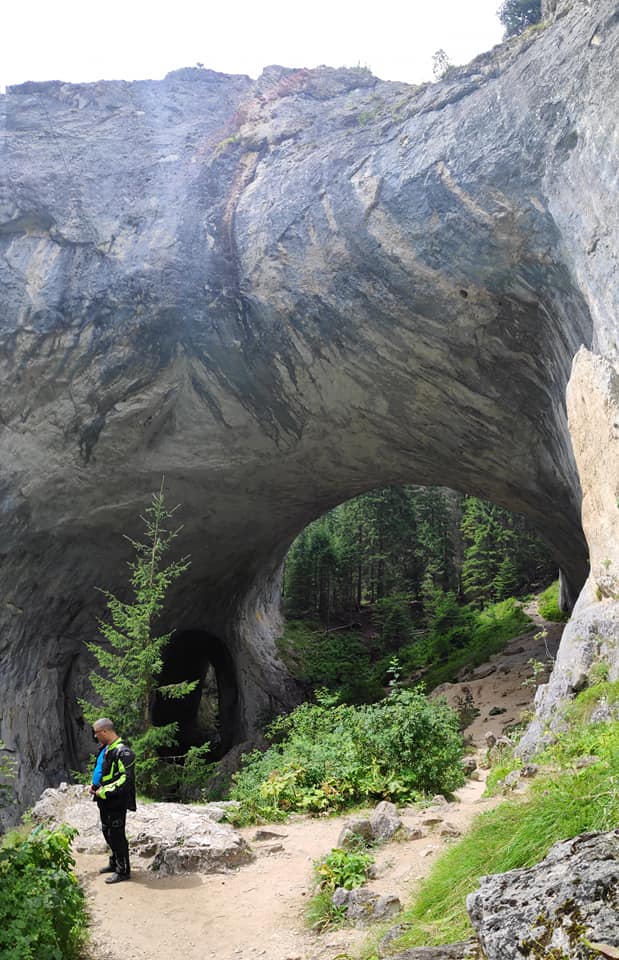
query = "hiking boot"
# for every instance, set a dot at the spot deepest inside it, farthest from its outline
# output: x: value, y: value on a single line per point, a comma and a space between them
x: 117, y: 877
x: 108, y: 869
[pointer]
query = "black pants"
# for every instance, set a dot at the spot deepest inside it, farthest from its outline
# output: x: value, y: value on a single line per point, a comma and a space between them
x: 113, y: 827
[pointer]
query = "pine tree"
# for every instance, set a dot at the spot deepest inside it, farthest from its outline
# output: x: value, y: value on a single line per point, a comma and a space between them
x: 131, y: 658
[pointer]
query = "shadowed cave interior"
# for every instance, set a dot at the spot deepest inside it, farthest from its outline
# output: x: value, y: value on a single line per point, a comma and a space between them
x: 209, y: 713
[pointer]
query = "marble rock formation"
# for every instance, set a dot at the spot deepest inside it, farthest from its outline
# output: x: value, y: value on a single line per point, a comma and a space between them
x: 166, y: 838
x: 558, y: 908
x: 282, y: 293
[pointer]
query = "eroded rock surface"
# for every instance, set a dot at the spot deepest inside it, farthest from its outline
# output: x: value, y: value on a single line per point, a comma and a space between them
x: 166, y: 838
x: 554, y: 908
x: 281, y: 294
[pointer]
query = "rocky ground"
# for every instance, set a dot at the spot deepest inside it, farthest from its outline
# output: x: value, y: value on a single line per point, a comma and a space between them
x: 257, y: 910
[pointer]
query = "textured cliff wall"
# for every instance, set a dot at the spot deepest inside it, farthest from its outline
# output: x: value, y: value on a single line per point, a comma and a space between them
x: 280, y: 294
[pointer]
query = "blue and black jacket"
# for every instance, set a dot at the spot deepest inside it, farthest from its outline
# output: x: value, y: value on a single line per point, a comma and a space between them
x: 118, y: 777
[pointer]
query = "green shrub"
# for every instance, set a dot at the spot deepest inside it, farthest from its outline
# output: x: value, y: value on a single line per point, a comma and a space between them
x: 343, y: 868
x: 340, y: 868
x: 548, y: 604
x: 42, y: 911
x: 328, y: 756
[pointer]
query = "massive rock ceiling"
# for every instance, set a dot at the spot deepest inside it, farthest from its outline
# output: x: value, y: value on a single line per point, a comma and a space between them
x: 278, y: 294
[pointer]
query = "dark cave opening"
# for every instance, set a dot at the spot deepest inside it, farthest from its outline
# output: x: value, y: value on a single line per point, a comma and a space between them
x: 209, y: 712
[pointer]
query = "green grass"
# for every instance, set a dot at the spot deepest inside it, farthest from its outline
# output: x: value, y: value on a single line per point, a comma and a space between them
x: 548, y: 604
x: 561, y: 804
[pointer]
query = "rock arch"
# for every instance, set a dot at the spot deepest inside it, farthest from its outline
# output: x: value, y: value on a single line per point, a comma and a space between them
x: 210, y: 712
x: 280, y: 294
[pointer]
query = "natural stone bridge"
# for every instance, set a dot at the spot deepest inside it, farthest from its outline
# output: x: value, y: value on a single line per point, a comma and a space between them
x: 281, y: 294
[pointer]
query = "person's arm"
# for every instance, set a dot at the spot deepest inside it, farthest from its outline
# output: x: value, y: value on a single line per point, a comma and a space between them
x: 122, y: 783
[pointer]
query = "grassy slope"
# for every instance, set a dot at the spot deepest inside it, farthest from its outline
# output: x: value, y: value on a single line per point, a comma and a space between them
x: 563, y: 802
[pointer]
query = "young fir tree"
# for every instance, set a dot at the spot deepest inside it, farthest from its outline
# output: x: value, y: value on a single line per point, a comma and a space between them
x: 131, y: 658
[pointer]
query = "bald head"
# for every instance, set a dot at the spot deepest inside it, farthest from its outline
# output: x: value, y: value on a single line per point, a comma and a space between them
x: 103, y: 731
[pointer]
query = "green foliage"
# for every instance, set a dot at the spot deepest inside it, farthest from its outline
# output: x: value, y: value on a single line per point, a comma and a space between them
x: 343, y: 868
x: 131, y: 658
x: 517, y: 15
x: 392, y: 616
x: 336, y: 659
x: 465, y: 637
x: 340, y: 868
x: 404, y: 542
x: 321, y: 913
x: 562, y: 803
x: 501, y: 556
x: 328, y: 756
x: 441, y: 64
x: 42, y: 908
x: 548, y: 604
x: 7, y: 775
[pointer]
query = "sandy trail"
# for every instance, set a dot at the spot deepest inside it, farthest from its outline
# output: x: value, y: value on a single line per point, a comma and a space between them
x: 257, y: 910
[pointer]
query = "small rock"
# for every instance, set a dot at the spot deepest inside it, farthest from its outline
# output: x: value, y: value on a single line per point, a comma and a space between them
x: 439, y: 800
x: 363, y: 905
x: 496, y: 711
x: 587, y: 761
x: 483, y: 672
x: 512, y: 651
x: 490, y: 739
x: 512, y: 778
x: 268, y: 835
x: 469, y: 764
x: 355, y: 829
x: 529, y: 770
x: 432, y: 821
x: 384, y: 821
x: 416, y: 834
x: 448, y: 830
x: 272, y: 848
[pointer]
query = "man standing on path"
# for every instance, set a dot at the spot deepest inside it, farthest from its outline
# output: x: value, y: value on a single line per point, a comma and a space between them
x: 113, y: 788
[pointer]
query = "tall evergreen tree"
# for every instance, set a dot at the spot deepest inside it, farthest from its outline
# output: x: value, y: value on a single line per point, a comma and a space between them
x: 131, y: 658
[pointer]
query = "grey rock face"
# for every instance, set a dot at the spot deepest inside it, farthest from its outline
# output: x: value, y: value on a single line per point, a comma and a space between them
x: 568, y: 898
x: 166, y: 838
x: 282, y: 294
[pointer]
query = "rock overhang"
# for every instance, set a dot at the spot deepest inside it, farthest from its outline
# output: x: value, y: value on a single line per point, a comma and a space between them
x: 282, y: 294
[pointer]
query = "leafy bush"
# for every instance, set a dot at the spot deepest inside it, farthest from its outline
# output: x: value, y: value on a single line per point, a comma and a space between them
x: 327, y: 756
x: 42, y: 911
x: 340, y: 868
x: 548, y: 604
x: 343, y: 868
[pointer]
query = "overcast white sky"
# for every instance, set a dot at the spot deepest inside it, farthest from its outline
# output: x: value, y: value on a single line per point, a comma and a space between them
x: 78, y: 40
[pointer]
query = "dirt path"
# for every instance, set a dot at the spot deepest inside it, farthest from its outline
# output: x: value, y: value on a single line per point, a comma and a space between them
x: 257, y: 911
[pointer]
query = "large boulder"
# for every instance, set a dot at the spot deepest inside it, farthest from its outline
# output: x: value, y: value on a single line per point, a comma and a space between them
x: 166, y: 838
x: 554, y: 908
